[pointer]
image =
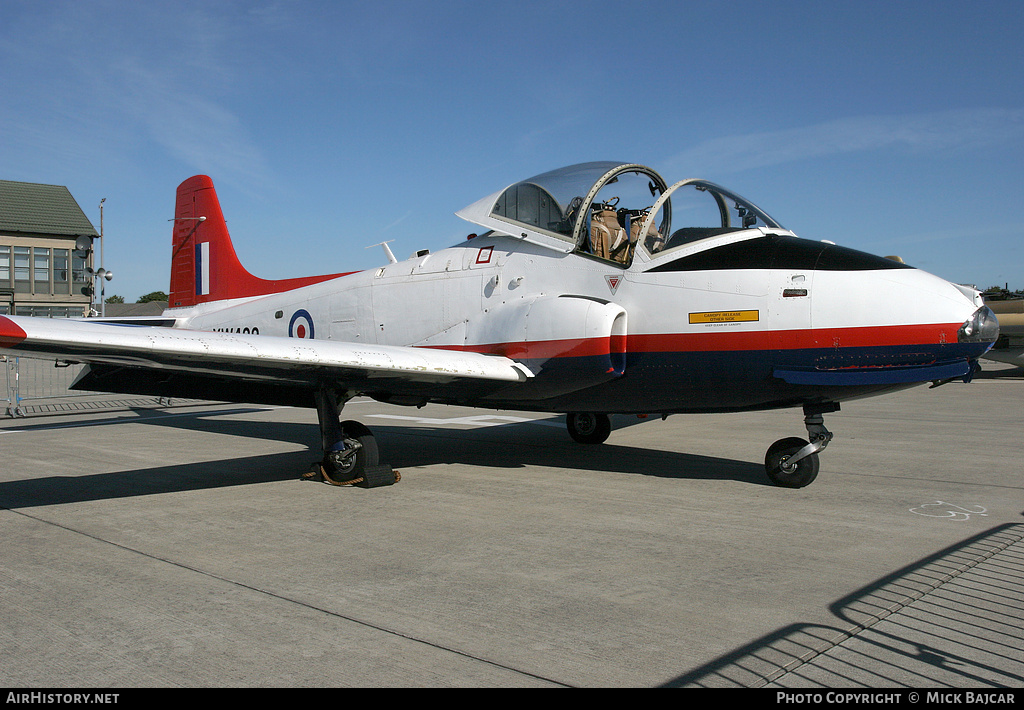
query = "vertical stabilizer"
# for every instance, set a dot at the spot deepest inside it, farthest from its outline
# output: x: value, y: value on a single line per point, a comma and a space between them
x: 204, y: 265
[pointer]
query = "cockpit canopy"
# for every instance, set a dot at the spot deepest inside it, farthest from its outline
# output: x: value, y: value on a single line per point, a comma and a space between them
x: 609, y: 210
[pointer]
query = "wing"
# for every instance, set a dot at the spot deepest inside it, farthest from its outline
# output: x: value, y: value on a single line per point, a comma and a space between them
x: 175, y: 362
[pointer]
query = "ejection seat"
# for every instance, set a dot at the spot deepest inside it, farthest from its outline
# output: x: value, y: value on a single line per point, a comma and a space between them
x: 608, y: 236
x: 605, y: 232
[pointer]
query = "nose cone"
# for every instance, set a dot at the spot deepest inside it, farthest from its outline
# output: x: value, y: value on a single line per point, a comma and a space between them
x: 896, y: 325
x: 948, y: 308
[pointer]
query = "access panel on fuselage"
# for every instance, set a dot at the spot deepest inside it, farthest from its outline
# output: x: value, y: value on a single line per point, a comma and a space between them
x: 425, y: 301
x: 351, y: 314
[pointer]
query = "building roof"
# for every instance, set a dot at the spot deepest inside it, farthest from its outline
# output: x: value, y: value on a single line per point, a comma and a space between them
x: 31, y: 208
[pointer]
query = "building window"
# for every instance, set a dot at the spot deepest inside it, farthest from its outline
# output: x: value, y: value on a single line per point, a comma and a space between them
x: 22, y: 269
x: 78, y: 276
x: 61, y: 272
x: 46, y: 311
x: 5, y: 267
x: 41, y: 269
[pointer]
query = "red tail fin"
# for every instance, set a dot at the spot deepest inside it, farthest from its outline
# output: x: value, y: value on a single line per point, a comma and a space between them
x: 204, y: 266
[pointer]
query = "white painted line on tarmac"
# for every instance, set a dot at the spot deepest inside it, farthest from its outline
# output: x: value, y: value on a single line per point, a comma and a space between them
x: 478, y: 420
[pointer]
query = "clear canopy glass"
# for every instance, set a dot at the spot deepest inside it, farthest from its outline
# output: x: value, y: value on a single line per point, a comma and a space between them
x: 609, y: 210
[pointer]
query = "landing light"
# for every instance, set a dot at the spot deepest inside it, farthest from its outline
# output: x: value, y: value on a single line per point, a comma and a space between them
x: 983, y: 327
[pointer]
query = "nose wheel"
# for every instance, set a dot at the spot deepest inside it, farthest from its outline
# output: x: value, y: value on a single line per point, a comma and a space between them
x: 787, y: 471
x: 793, y: 462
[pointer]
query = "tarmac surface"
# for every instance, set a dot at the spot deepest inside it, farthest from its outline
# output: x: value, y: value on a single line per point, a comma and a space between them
x: 179, y: 546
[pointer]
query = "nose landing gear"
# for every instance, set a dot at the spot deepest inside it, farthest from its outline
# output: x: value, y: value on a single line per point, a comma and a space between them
x: 793, y: 462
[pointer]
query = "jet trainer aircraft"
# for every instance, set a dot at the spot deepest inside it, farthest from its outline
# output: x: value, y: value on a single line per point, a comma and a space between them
x: 589, y: 290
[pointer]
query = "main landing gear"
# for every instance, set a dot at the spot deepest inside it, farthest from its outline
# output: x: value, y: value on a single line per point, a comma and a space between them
x: 350, y: 449
x: 588, y: 427
x: 793, y: 462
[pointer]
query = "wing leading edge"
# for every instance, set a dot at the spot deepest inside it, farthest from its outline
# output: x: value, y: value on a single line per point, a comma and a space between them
x: 252, y: 368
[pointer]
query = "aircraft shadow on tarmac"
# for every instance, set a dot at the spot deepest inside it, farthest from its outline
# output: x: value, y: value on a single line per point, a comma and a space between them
x: 58, y: 490
x: 504, y: 446
x: 1000, y: 373
x: 50, y: 489
x: 542, y: 442
x: 515, y: 446
x: 953, y: 619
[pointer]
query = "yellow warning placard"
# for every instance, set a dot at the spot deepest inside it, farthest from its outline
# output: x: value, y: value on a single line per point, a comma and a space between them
x: 724, y: 317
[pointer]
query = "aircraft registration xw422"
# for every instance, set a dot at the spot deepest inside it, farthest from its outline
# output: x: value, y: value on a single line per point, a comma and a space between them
x: 589, y: 290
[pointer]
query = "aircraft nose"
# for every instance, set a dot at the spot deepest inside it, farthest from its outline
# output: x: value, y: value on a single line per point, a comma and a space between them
x: 896, y: 325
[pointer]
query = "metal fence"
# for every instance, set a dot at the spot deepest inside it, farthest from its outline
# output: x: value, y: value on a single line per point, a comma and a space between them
x: 44, y: 385
x: 9, y: 379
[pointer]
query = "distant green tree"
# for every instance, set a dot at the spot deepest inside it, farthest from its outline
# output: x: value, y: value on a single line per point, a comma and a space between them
x: 154, y: 296
x: 115, y: 299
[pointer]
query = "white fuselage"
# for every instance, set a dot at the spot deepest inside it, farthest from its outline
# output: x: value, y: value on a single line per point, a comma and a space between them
x: 496, y: 294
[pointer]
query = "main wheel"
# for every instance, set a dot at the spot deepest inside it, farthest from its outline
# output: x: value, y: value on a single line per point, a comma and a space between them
x: 342, y: 469
x: 588, y: 427
x: 795, y: 475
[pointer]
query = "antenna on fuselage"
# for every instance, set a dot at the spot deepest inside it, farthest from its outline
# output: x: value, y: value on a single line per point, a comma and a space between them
x: 387, y: 251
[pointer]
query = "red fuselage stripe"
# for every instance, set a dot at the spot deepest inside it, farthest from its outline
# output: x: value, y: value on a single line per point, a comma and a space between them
x: 872, y: 336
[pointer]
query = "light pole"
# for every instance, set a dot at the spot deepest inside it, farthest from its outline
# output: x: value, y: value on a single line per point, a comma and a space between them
x: 102, y: 273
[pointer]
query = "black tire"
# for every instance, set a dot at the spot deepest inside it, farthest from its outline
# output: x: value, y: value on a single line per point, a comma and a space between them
x: 801, y: 474
x: 366, y: 456
x: 588, y: 427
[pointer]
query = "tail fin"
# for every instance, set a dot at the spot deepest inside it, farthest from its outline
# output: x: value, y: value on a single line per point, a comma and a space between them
x: 204, y: 265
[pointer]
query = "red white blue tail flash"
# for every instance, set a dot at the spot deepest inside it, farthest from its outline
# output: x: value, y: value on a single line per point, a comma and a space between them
x: 203, y: 269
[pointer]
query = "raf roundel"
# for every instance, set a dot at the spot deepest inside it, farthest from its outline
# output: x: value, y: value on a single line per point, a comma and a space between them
x: 301, y: 325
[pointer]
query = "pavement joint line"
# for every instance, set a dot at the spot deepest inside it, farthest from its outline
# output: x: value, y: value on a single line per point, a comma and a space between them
x: 289, y: 600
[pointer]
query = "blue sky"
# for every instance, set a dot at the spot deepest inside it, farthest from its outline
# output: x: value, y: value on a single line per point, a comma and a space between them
x: 327, y: 127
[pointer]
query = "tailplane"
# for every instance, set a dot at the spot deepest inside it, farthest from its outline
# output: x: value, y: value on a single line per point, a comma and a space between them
x: 204, y: 265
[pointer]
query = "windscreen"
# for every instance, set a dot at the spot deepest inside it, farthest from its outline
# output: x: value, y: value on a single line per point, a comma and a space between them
x: 701, y: 209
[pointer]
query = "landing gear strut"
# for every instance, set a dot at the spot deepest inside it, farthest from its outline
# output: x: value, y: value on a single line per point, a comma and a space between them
x: 350, y: 449
x: 793, y: 462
